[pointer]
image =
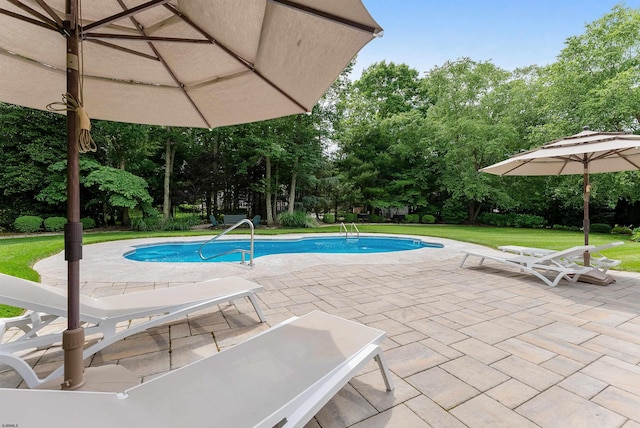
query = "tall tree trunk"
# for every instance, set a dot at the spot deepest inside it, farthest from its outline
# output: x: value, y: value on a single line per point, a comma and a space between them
x: 267, y: 189
x: 124, y: 215
x: 275, y: 195
x: 215, y: 188
x: 170, y: 153
x: 292, y: 188
x: 207, y: 201
x: 474, y: 211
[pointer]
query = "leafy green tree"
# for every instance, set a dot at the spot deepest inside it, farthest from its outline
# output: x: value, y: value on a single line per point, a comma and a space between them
x: 388, y: 89
x: 30, y: 141
x: 171, y: 139
x: 595, y: 81
x: 124, y: 146
x: 104, y: 189
x: 468, y: 133
x: 371, y: 155
x: 119, y: 189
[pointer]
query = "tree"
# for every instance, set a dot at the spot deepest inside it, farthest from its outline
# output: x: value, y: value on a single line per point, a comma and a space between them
x: 466, y: 123
x: 30, y: 141
x: 105, y: 189
x: 595, y: 81
x: 123, y: 146
x: 171, y: 139
x: 119, y: 189
x: 368, y: 155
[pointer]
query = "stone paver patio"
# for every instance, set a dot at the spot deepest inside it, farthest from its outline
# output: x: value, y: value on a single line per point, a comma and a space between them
x: 474, y: 346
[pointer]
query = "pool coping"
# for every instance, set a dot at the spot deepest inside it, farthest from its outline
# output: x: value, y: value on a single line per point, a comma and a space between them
x: 105, y: 262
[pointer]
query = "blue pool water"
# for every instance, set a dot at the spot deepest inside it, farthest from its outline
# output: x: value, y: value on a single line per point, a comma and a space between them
x: 188, y: 252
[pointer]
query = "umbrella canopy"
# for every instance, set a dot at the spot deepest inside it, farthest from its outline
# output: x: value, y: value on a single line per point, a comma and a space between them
x: 197, y: 63
x: 583, y: 153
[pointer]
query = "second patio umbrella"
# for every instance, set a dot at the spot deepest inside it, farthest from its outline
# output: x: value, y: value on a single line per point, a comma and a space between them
x: 583, y: 153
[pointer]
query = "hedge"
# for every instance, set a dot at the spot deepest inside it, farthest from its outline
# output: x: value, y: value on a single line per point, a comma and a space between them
x: 28, y: 224
x: 54, y: 224
x: 512, y: 220
x: 329, y: 218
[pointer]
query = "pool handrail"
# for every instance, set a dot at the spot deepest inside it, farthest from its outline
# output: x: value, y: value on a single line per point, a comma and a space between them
x: 238, y: 250
x: 352, y: 227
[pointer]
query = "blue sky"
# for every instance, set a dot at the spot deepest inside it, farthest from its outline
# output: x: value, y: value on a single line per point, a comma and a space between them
x: 510, y: 33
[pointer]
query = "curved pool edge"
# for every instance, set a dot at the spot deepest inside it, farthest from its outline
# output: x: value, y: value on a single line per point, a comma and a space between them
x: 104, y: 263
x: 187, y: 251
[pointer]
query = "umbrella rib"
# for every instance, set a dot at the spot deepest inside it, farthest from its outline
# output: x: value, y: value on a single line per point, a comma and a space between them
x: 235, y: 56
x: 124, y: 14
x: 93, y: 36
x: 516, y: 167
x: 564, y: 165
x: 123, y: 49
x: 166, y: 66
x: 632, y: 163
x: 619, y: 153
x: 34, y: 13
x: 86, y: 76
x: 326, y: 15
x: 51, y: 13
x: 49, y: 25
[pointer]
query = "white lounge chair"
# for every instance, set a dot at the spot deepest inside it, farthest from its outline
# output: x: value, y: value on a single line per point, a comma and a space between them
x: 281, y: 377
x: 525, y: 251
x: 597, y: 260
x: 46, y: 304
x: 555, y: 264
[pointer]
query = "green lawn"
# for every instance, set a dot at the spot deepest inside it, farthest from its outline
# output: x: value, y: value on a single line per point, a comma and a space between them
x: 18, y: 255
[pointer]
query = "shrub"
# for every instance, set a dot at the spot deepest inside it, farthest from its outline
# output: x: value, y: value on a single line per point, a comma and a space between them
x: 428, y: 219
x: 563, y: 227
x: 139, y: 224
x: 375, y: 218
x: 454, y: 212
x: 159, y: 223
x: 88, y: 223
x: 412, y: 218
x: 188, y: 208
x: 621, y: 230
x: 350, y: 217
x: 636, y: 234
x: 329, y: 218
x: 600, y: 228
x: 512, y: 220
x: 297, y: 219
x: 54, y: 224
x: 28, y: 224
x: 529, y: 221
x: 492, y: 219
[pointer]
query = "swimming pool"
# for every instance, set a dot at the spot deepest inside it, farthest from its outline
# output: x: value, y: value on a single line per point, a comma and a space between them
x: 181, y: 252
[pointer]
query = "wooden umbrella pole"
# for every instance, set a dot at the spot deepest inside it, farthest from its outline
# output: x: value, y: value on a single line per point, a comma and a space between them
x: 586, y: 225
x: 73, y: 337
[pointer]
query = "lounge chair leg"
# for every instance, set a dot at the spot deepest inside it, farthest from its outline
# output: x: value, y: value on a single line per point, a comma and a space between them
x: 386, y: 374
x: 256, y: 306
x: 464, y: 259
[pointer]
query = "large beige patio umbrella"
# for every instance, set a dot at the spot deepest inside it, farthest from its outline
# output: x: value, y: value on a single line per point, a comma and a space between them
x: 197, y: 63
x: 583, y: 153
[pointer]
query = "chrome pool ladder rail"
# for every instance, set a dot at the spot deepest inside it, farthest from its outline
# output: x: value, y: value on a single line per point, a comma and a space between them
x: 242, y: 251
x: 353, y: 229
